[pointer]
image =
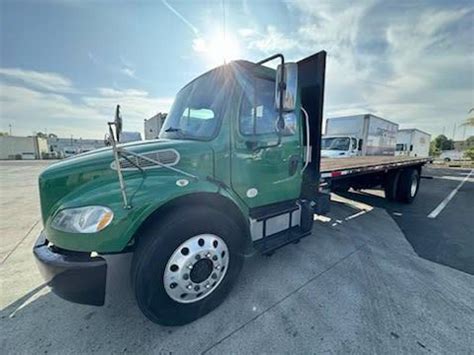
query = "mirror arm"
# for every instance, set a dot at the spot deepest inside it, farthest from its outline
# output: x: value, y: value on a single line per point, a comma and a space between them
x: 278, y: 55
x: 282, y: 86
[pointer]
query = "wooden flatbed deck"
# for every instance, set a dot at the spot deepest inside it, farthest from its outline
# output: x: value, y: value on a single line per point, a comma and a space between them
x: 331, y: 167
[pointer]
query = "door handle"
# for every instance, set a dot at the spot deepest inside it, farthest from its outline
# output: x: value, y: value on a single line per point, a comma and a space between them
x: 293, y: 164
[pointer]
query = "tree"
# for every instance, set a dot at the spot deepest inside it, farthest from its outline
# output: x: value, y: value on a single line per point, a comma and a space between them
x: 434, y: 150
x: 470, y: 120
x: 443, y: 143
x: 4, y: 134
x: 470, y: 141
x: 469, y: 153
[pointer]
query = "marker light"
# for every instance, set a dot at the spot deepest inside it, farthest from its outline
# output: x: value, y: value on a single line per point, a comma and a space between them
x: 90, y: 219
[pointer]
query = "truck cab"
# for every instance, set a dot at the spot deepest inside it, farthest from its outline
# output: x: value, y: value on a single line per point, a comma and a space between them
x: 412, y: 143
x: 235, y: 171
x: 401, y: 149
x: 340, y: 147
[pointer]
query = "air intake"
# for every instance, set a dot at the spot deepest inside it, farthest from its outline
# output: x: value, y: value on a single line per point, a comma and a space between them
x: 168, y: 157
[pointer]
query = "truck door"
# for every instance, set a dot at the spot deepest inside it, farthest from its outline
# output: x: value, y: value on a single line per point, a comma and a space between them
x: 264, y: 172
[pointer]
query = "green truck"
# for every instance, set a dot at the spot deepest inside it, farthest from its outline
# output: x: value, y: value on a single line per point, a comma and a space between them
x: 236, y: 169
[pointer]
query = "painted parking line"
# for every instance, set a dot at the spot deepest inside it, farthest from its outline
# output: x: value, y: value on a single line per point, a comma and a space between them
x: 444, y: 203
x: 454, y: 178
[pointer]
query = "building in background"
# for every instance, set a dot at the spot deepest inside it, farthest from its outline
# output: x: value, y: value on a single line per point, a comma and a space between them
x: 153, y: 126
x: 66, y: 147
x: 129, y: 136
x: 23, y: 148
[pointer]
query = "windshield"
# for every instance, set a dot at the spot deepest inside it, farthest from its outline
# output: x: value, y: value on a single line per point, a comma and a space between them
x: 335, y: 143
x: 198, y: 108
x: 400, y: 147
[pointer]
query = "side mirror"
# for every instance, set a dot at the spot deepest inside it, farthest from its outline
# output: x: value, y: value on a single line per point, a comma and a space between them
x: 287, y: 87
x: 118, y: 123
x: 360, y: 144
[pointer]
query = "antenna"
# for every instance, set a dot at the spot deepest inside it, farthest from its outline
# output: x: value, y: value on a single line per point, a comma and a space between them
x: 224, y: 26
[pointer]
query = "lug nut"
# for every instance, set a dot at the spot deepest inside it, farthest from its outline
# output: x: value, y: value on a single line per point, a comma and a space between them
x: 208, y: 255
x: 189, y: 287
x: 208, y: 286
x: 218, y: 267
x: 190, y: 266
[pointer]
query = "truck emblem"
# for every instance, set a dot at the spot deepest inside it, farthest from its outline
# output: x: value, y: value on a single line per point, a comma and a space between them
x: 182, y: 182
x: 251, y: 193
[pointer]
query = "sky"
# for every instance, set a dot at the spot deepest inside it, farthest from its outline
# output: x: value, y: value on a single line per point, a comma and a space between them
x: 65, y: 64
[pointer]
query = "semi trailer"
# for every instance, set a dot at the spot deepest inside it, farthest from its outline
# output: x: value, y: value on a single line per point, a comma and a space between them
x: 359, y: 135
x: 413, y: 143
x: 236, y: 170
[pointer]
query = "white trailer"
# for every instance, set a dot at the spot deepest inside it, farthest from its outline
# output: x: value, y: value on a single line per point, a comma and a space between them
x: 413, y: 143
x: 360, y: 135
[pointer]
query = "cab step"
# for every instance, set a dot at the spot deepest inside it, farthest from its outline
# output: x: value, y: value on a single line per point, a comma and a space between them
x: 269, y: 244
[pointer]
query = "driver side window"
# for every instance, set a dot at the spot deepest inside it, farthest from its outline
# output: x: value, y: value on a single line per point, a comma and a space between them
x: 260, y: 119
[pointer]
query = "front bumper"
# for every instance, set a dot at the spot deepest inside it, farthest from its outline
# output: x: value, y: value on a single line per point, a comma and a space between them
x: 73, y: 276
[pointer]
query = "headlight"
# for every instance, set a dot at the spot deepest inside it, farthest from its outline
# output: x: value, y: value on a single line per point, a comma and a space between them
x: 90, y: 219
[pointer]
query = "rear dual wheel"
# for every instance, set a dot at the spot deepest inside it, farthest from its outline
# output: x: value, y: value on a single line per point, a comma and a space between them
x: 408, y: 185
x: 186, y: 264
x: 402, y: 186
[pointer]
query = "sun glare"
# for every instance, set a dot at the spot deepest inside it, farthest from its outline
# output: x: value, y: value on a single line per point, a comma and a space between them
x: 218, y: 50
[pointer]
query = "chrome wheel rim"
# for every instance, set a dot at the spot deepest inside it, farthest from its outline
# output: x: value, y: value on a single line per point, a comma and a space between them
x: 413, y: 187
x: 196, y: 268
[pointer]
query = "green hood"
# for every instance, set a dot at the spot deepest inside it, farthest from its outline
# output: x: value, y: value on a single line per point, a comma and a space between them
x: 91, y: 178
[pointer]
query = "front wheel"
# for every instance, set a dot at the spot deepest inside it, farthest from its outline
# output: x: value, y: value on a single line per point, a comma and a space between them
x: 186, y: 264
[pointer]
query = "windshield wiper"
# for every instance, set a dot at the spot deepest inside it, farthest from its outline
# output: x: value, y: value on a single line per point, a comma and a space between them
x: 173, y: 129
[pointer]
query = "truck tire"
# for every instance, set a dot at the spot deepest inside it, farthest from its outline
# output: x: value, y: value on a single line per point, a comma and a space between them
x: 307, y: 216
x: 391, y: 185
x: 341, y: 189
x: 408, y: 184
x: 186, y: 263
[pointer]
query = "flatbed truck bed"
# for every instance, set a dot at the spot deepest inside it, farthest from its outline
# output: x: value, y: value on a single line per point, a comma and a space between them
x: 398, y: 175
x: 335, y: 167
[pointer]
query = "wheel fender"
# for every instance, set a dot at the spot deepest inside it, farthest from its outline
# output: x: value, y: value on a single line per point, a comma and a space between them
x: 202, y: 192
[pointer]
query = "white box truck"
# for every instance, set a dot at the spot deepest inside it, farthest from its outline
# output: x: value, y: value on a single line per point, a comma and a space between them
x: 413, y: 143
x: 360, y: 135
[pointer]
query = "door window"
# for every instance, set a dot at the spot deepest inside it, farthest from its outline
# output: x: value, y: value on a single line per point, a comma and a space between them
x: 257, y: 110
x: 354, y: 144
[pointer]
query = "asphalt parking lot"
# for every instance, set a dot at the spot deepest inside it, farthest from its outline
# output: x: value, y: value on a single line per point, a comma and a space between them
x: 372, y: 278
x: 446, y: 239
